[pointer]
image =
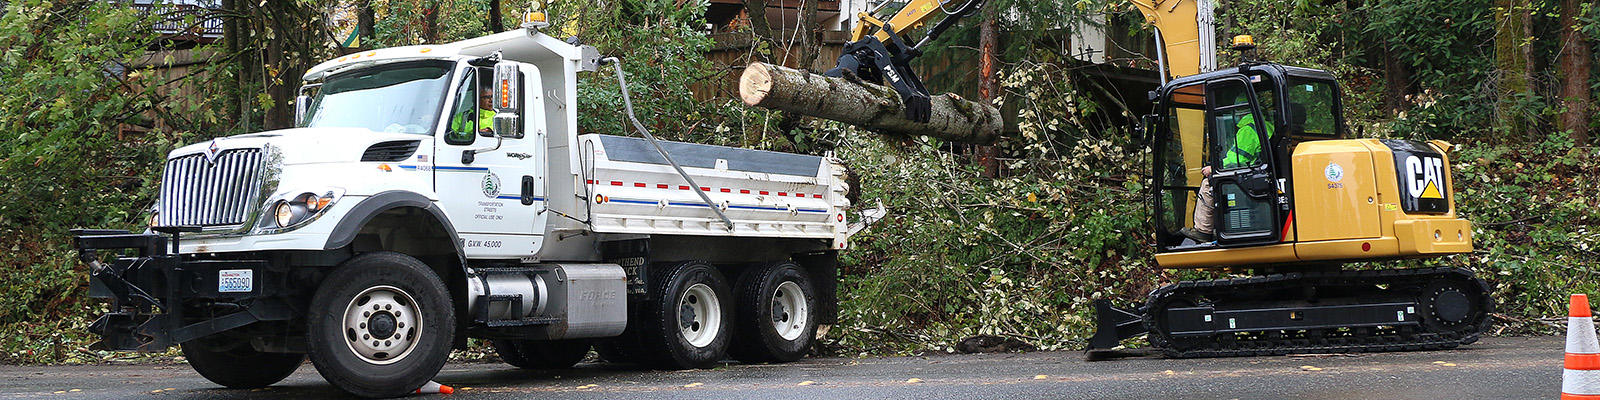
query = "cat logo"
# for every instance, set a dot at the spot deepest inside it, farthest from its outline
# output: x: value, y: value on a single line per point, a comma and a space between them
x: 1427, y: 175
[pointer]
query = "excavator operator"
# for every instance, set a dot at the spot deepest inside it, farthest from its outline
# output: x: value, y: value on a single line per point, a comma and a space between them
x: 1245, y: 151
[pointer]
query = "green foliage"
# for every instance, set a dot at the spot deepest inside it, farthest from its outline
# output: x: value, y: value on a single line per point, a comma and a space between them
x: 962, y: 255
x: 1536, y: 216
x: 662, y: 49
x: 64, y: 164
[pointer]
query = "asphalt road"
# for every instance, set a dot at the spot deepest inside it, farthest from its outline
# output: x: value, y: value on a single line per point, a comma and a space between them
x: 1495, y: 368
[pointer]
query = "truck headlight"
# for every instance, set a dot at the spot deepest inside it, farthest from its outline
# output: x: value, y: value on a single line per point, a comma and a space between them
x: 284, y: 213
x: 289, y: 212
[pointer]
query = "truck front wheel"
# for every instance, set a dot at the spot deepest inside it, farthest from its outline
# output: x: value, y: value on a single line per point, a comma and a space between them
x: 776, y: 314
x: 380, y: 325
x: 237, y: 365
x: 688, y: 325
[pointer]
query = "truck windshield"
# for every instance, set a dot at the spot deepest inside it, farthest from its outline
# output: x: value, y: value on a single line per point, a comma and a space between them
x: 403, y: 97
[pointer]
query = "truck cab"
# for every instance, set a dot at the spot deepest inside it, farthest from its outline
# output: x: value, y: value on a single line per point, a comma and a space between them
x: 439, y: 192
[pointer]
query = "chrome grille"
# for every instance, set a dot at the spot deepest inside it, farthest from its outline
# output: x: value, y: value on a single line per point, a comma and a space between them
x: 197, y: 192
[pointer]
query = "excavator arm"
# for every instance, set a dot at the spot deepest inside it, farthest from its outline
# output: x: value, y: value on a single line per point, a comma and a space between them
x: 1186, y: 35
x: 879, y: 53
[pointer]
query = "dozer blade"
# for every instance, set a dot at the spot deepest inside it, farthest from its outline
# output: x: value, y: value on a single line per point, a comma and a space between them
x: 1112, y: 324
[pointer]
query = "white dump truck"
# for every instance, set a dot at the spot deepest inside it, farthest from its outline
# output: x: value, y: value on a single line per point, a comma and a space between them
x: 436, y: 193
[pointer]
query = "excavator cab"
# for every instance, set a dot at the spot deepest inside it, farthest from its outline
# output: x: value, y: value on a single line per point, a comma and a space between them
x: 1241, y: 124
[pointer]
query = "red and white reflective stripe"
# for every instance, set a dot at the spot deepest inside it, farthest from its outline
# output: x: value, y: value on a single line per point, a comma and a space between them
x: 705, y: 189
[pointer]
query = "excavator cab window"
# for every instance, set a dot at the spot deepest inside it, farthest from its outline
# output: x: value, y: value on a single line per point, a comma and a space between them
x: 1243, y: 181
x: 1314, y: 108
x: 1182, y: 144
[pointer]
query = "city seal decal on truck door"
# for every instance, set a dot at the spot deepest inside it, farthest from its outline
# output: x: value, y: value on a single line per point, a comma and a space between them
x: 1420, y: 173
x: 491, y: 185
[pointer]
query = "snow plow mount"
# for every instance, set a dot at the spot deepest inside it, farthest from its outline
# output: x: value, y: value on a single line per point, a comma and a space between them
x: 150, y: 286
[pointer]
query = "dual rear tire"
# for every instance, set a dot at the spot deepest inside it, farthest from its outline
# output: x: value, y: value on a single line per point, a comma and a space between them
x: 776, y: 319
x: 699, y: 319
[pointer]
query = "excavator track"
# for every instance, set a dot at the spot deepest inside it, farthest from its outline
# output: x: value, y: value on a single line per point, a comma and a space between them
x: 1319, y: 312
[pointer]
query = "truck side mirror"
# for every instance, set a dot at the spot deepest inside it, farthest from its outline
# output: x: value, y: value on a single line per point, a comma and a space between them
x: 301, y: 104
x: 507, y: 100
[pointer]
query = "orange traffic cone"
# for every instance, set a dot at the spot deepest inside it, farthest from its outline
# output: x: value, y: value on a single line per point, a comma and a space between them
x: 434, y: 387
x: 1581, y: 380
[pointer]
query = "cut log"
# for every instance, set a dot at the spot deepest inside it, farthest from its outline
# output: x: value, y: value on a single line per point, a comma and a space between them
x: 867, y: 105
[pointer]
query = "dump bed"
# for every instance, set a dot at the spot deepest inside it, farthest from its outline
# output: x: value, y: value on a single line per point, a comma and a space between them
x: 633, y: 189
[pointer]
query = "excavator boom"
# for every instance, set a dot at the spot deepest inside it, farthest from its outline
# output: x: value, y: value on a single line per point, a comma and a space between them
x: 1186, y: 35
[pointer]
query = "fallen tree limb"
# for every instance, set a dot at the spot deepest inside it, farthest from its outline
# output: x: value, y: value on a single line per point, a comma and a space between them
x: 866, y: 105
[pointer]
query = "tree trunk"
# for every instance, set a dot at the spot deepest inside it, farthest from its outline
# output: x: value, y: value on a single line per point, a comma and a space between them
x: 1511, y: 61
x: 366, y: 23
x: 810, y: 34
x: 232, y: 93
x: 989, y: 89
x: 495, y: 23
x: 867, y: 105
x: 757, y: 11
x: 247, y: 64
x: 1575, y: 60
x: 1397, y: 76
x: 430, y: 22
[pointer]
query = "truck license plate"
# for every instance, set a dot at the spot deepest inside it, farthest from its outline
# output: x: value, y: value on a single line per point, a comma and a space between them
x: 235, y: 281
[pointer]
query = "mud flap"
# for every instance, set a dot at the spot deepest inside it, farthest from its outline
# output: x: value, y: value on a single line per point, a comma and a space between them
x: 1112, y: 324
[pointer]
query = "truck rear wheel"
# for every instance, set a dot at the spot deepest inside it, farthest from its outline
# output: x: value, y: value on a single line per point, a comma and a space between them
x: 688, y: 325
x: 380, y: 325
x: 541, y: 354
x: 239, y: 367
x: 776, y: 314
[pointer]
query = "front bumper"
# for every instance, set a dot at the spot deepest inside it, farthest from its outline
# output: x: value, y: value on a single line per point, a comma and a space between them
x: 160, y: 298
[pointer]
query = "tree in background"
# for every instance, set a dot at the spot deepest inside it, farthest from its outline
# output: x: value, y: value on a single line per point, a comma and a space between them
x: 1512, y: 55
x: 1577, y: 61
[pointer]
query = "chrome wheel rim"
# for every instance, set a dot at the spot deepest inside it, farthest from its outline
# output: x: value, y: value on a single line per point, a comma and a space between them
x: 382, y: 325
x: 789, y: 311
x: 699, y: 315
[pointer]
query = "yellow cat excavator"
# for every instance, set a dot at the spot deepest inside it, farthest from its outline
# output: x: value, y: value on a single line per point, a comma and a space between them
x: 1291, y: 201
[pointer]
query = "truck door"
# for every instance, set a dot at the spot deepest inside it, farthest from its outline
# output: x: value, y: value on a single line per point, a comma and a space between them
x: 491, y: 185
x: 1244, y: 184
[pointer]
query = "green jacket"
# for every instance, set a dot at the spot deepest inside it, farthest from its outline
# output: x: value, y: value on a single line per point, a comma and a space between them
x: 1246, y: 144
x: 459, y: 126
